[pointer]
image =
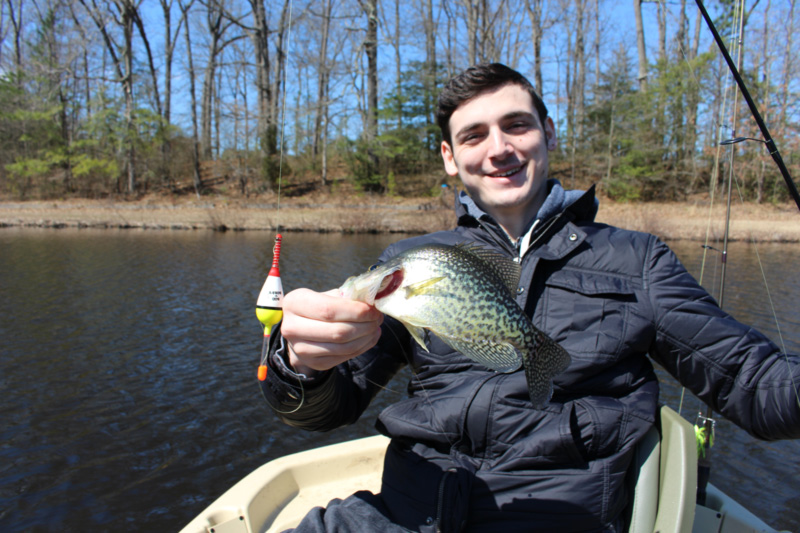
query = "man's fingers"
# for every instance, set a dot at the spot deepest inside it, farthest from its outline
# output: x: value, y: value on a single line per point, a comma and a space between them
x: 328, y: 307
x: 324, y: 330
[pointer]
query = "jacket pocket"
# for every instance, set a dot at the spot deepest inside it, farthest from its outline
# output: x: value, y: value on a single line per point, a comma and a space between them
x: 587, y: 312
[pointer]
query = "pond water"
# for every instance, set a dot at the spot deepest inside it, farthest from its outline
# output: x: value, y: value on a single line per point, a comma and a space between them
x: 128, y: 360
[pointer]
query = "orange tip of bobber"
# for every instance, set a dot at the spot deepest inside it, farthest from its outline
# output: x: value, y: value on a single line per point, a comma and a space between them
x: 262, y: 372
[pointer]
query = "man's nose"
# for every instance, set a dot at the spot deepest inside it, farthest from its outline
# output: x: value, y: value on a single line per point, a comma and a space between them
x: 499, y: 143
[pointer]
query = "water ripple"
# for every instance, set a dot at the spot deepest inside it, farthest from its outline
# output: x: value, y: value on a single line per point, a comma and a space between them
x: 128, y: 363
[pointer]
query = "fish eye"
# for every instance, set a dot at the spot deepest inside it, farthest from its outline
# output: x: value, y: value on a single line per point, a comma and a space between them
x: 373, y: 267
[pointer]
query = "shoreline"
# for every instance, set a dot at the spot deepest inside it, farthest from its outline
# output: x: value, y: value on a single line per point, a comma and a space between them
x: 669, y: 221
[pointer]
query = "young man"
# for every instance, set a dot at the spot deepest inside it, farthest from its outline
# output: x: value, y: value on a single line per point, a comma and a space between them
x: 469, y: 451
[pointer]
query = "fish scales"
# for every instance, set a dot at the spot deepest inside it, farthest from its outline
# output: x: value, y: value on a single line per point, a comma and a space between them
x: 463, y: 294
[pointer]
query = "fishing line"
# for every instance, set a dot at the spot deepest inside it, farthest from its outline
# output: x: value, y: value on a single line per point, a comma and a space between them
x: 771, y: 303
x: 283, y: 112
x: 269, y: 305
x: 733, y: 180
x: 704, y: 425
x: 423, y: 390
x: 717, y: 157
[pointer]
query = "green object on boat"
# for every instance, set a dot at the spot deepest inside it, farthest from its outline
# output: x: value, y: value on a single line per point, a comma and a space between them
x: 700, y: 434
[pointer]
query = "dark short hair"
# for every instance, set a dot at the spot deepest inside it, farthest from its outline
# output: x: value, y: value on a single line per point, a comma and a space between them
x: 475, y: 81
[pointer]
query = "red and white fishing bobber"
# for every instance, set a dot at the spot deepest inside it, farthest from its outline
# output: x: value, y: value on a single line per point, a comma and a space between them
x: 269, y: 306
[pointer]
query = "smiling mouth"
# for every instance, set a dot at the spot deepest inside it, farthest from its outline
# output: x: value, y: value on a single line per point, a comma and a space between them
x: 506, y: 173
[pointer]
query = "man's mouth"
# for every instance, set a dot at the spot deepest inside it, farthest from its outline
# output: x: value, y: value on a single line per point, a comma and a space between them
x: 506, y: 173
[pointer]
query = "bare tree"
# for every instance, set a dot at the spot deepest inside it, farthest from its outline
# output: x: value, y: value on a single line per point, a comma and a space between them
x: 137, y: 20
x: 640, y: 45
x: 323, y: 80
x: 535, y: 9
x: 395, y: 42
x: 267, y: 129
x: 170, y: 41
x: 123, y: 13
x: 788, y: 63
x: 196, y: 179
x: 217, y: 24
x: 579, y: 88
x: 429, y: 27
x: 15, y: 9
x: 279, y: 68
x: 370, y: 8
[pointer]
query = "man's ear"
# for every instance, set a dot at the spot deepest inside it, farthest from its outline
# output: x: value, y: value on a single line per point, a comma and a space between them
x: 550, y: 134
x: 449, y: 161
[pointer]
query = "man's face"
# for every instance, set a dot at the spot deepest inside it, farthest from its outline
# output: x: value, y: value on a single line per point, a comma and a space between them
x: 500, y: 151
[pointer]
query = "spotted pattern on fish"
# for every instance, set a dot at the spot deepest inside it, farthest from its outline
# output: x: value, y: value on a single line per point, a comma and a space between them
x: 464, y: 295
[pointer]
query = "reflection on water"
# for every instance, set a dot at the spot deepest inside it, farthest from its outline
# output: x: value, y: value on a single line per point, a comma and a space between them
x: 128, y: 364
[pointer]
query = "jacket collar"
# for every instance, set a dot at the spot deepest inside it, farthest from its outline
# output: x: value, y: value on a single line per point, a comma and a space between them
x: 579, y: 206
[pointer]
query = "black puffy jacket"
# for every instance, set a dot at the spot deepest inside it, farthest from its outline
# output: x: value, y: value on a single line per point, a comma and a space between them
x: 468, y: 450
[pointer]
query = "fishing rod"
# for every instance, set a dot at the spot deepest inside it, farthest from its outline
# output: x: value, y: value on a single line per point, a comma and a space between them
x: 704, y: 426
x: 767, y: 140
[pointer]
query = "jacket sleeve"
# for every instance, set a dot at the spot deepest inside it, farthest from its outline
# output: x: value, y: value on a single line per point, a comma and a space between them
x: 731, y: 367
x: 337, y: 397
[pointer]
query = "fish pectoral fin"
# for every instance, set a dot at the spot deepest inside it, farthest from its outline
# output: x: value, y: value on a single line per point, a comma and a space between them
x: 418, y: 333
x: 499, y: 356
x: 422, y: 287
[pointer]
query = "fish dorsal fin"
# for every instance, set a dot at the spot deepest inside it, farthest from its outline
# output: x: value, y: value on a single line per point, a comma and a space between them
x: 423, y: 287
x: 506, y: 269
x: 499, y: 356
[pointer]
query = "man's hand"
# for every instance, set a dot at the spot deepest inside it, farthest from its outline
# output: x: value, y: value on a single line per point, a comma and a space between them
x: 323, y: 330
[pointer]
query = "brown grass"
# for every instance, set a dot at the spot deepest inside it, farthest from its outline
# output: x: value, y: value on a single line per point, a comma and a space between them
x: 354, y: 213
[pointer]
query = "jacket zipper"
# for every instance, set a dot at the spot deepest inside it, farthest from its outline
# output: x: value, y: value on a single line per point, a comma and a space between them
x: 440, y: 501
x: 513, y: 248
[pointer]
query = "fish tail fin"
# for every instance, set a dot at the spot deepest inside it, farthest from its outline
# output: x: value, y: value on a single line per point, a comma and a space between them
x: 542, y: 364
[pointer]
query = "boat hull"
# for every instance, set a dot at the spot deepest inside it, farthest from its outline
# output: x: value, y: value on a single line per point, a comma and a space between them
x: 277, y: 495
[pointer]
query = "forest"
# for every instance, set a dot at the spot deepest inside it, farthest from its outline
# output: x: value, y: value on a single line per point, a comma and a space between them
x: 122, y: 98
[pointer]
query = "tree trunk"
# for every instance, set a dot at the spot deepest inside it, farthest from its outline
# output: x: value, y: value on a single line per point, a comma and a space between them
x: 535, y: 13
x: 170, y: 40
x: 127, y: 87
x: 215, y: 32
x: 137, y: 20
x: 124, y: 69
x: 662, y: 32
x: 429, y: 26
x: 693, y: 102
x: 277, y: 78
x: 371, y: 50
x: 198, y: 183
x: 472, y: 31
x: 596, y: 44
x: 266, y: 128
x: 16, y: 22
x: 640, y: 45
x: 786, y: 78
x: 579, y: 94
x: 322, y: 79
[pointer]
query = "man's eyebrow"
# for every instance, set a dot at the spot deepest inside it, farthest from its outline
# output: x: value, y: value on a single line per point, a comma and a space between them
x: 468, y: 129
x: 518, y: 114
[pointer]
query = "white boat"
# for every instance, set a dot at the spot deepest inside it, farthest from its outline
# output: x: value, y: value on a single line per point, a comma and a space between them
x: 278, y: 494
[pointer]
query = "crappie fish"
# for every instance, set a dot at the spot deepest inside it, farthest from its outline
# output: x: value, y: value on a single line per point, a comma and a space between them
x: 463, y: 294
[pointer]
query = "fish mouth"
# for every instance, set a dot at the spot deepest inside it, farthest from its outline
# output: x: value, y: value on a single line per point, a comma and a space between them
x: 389, y: 284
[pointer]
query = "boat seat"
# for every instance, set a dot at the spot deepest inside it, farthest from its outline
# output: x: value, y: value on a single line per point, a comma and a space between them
x: 663, y: 477
x: 643, y: 478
